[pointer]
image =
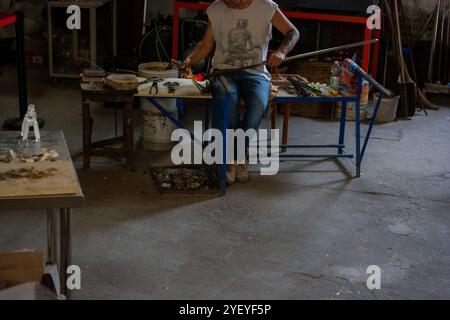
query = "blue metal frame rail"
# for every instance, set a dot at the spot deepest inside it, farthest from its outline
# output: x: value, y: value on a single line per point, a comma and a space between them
x: 341, y: 153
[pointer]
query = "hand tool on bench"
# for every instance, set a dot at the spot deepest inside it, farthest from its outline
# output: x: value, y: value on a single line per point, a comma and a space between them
x: 171, y: 86
x: 154, y: 81
x: 219, y: 72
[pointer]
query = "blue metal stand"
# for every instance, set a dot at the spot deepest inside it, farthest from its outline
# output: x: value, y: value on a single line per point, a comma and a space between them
x: 340, y: 147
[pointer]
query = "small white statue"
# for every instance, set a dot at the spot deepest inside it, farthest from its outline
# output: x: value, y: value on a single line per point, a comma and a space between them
x: 30, y: 120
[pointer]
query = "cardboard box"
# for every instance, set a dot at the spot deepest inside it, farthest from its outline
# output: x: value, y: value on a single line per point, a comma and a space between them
x: 19, y: 267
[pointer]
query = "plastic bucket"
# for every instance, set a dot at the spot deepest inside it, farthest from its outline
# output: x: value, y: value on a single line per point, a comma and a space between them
x: 156, y: 129
x: 351, y: 111
x: 351, y: 106
x: 387, y: 111
x: 157, y: 69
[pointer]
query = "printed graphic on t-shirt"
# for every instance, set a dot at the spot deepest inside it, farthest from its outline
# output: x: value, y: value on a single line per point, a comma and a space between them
x: 241, y: 51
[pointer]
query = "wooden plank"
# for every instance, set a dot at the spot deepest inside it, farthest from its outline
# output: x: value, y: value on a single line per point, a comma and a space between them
x: 37, y: 179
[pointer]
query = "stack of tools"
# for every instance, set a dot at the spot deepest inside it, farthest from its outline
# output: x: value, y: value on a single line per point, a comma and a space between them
x: 301, y: 86
x: 93, y: 75
x: 204, y: 89
x: 171, y: 86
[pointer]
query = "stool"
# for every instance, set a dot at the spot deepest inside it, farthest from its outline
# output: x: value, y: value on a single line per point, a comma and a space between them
x: 98, y: 93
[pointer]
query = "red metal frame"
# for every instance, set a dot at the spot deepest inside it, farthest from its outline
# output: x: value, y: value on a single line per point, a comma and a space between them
x: 7, y: 18
x: 296, y: 15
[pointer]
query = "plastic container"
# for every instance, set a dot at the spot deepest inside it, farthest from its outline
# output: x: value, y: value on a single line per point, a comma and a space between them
x: 157, y: 69
x: 351, y: 106
x: 156, y: 129
x: 334, y: 79
x: 387, y: 111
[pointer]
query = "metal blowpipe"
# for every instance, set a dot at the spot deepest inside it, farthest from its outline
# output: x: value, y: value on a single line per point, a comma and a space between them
x: 298, y: 56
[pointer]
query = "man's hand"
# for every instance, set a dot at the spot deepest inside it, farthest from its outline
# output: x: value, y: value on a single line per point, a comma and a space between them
x: 186, y: 64
x: 276, y: 58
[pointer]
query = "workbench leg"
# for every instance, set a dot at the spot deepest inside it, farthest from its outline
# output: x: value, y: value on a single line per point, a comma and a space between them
x: 65, y: 253
x: 207, y: 115
x: 273, y: 116
x: 358, y: 139
x: 223, y: 166
x: 128, y: 130
x: 342, y: 125
x: 286, y: 116
x: 87, y: 134
x: 52, y: 235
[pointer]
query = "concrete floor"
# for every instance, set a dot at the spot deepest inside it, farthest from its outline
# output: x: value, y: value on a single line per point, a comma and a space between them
x: 309, y: 232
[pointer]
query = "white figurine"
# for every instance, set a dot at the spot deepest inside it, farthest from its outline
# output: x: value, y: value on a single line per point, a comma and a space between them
x: 30, y: 120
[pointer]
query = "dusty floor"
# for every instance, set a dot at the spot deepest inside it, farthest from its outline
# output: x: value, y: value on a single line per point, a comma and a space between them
x: 309, y: 232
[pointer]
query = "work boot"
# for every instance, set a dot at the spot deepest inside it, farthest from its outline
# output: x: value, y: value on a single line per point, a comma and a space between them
x: 242, y: 173
x: 231, y: 173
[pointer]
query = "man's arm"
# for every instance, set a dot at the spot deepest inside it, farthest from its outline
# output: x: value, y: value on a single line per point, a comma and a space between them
x: 202, y: 49
x: 291, y: 36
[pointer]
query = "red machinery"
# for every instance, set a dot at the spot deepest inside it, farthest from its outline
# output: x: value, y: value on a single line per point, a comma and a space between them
x: 368, y: 33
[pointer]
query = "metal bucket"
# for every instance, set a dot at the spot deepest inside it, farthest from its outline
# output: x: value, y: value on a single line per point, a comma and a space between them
x: 388, y: 108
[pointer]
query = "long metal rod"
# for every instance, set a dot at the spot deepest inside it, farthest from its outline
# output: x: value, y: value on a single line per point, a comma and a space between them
x: 446, y: 47
x: 328, y: 50
x: 433, y: 44
x: 298, y: 56
x: 21, y: 65
x: 441, y: 44
x: 399, y: 42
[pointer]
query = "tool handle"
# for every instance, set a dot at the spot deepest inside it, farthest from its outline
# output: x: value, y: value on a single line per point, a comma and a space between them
x: 354, y: 68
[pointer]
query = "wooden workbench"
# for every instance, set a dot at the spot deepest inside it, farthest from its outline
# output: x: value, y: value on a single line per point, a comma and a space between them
x: 58, y: 190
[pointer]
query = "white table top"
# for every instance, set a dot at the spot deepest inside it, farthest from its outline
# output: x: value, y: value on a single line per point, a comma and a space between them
x: 187, y: 90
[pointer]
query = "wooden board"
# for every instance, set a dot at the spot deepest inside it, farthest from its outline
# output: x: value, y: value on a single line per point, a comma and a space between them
x: 37, y: 179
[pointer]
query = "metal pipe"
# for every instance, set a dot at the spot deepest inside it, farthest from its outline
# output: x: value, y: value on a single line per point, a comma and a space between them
x: 144, y: 19
x: 298, y: 56
x: 51, y: 237
x: 21, y: 67
x: 446, y: 45
x: 328, y: 50
x: 399, y: 42
x: 433, y: 44
x: 441, y: 44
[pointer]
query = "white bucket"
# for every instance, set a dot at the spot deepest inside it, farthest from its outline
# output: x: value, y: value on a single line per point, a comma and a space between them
x: 157, y: 69
x: 156, y: 129
x: 388, y: 108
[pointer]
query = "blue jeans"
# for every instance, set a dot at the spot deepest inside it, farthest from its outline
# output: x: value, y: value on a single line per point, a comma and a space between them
x: 253, y: 89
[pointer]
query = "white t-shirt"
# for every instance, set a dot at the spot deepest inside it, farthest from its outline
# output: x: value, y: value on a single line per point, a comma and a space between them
x: 242, y: 35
